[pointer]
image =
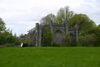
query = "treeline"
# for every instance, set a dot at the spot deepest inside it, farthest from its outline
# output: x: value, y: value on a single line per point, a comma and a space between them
x: 8, y: 39
x: 6, y: 36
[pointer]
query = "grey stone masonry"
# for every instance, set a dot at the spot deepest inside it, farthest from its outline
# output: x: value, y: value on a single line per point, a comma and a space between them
x: 57, y: 30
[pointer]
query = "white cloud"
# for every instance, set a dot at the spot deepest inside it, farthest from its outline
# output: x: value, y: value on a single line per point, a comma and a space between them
x: 21, y: 15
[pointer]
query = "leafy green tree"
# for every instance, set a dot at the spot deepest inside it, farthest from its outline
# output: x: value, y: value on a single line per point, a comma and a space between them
x: 6, y: 36
x: 63, y: 15
x: 2, y: 25
x: 11, y: 39
x: 3, y: 32
x: 92, y: 39
x: 47, y: 37
x: 87, y: 25
x: 98, y: 26
x: 82, y: 40
x: 15, y: 35
x: 47, y: 19
x: 96, y: 31
x: 2, y: 39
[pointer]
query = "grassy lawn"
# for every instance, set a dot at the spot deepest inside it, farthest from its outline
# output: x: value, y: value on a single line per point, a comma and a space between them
x: 50, y: 57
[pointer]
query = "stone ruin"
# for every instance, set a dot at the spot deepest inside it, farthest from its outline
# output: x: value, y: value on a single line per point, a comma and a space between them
x: 35, y: 34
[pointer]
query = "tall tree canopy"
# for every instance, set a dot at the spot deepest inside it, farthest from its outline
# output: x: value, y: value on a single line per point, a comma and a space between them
x: 87, y: 25
x: 64, y: 14
x: 47, y: 19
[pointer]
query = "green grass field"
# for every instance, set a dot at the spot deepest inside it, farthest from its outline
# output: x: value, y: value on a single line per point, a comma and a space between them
x: 50, y: 57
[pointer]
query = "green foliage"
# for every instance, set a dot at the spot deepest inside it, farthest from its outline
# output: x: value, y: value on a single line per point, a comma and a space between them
x: 74, y: 44
x: 11, y: 39
x: 50, y: 57
x: 63, y: 15
x: 87, y: 25
x: 92, y: 39
x: 56, y: 45
x: 82, y: 40
x: 87, y: 40
x: 47, y: 19
x: 26, y: 39
x: 98, y: 26
x: 96, y: 31
x: 2, y: 39
x: 23, y: 38
x: 7, y: 38
x: 2, y: 25
x: 47, y: 37
x: 67, y: 39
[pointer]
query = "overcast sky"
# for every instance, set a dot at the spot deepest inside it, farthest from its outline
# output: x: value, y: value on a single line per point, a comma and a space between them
x: 21, y: 15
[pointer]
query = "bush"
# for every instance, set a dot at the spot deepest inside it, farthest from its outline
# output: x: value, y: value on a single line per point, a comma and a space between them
x: 74, y: 44
x: 7, y: 45
x: 56, y: 45
x: 47, y: 37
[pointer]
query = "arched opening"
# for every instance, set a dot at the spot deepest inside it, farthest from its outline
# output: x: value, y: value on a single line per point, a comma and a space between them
x: 58, y: 38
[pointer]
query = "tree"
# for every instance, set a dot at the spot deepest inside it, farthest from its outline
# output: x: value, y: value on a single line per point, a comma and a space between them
x: 47, y: 37
x: 2, y: 32
x: 2, y: 25
x: 87, y: 25
x: 6, y: 36
x: 96, y: 31
x: 24, y: 38
x: 63, y: 15
x: 47, y: 19
x: 2, y: 39
x: 98, y: 26
x: 11, y: 39
x: 83, y: 40
x: 92, y: 39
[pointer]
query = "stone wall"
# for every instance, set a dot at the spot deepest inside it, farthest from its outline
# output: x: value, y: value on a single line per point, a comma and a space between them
x: 57, y: 30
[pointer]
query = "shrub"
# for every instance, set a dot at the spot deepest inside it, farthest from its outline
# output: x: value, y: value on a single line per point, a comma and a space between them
x: 56, y: 45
